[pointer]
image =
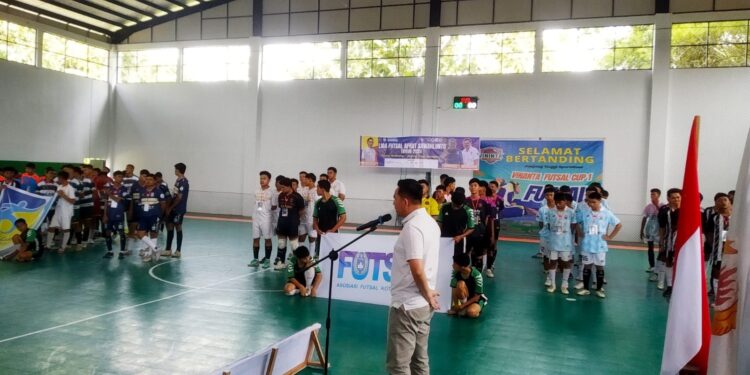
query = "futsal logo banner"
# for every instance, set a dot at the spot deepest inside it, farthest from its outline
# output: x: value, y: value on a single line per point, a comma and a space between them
x: 523, y: 167
x: 19, y: 204
x: 363, y: 271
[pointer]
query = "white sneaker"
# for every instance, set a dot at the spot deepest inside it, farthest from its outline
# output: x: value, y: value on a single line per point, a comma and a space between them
x: 551, y: 289
x: 564, y: 290
x: 600, y: 293
x: 280, y: 266
x: 489, y: 273
x: 583, y: 292
x: 650, y: 269
x: 166, y: 253
x: 660, y: 285
x: 147, y: 258
x: 547, y: 282
x: 579, y: 285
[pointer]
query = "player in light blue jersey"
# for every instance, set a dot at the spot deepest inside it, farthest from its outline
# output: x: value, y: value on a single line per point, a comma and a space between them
x: 581, y: 209
x: 542, y: 217
x: 593, y: 229
x: 562, y: 225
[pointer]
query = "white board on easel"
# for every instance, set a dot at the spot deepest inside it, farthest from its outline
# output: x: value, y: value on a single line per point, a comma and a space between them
x: 288, y: 356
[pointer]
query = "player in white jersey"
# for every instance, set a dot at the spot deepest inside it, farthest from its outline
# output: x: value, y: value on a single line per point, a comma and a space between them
x: 310, y: 195
x: 542, y: 219
x: 338, y: 189
x: 63, y: 211
x: 562, y: 224
x: 263, y: 219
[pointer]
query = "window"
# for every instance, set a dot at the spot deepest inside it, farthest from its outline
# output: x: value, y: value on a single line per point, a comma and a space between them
x: 385, y: 58
x: 230, y: 63
x: 17, y: 43
x: 710, y: 44
x: 598, y: 48
x: 71, y: 56
x: 302, y: 61
x: 501, y: 53
x: 152, y: 65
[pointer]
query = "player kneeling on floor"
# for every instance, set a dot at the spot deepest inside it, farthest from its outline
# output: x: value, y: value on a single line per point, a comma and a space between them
x: 28, y: 247
x: 467, y: 295
x: 299, y: 280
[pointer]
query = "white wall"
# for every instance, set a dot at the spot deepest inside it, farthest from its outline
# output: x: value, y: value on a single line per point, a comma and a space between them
x: 51, y: 116
x: 207, y: 126
x: 311, y: 125
x: 720, y: 97
x: 609, y: 105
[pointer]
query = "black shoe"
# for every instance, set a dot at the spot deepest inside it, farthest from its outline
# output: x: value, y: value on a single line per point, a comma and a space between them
x: 668, y: 292
x: 121, y: 256
x: 109, y: 254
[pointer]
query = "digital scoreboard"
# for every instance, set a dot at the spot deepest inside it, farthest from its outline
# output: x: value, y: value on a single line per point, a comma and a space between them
x: 465, y: 102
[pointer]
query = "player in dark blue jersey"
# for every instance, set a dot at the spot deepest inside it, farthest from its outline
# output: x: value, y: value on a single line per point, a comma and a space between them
x: 149, y: 206
x: 114, y: 213
x: 177, y: 209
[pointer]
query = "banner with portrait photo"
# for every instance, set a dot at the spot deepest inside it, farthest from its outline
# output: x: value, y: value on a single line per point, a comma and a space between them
x: 427, y: 152
x: 523, y: 167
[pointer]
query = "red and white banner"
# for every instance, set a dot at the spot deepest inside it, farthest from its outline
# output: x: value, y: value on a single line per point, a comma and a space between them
x: 730, y: 335
x: 688, y: 335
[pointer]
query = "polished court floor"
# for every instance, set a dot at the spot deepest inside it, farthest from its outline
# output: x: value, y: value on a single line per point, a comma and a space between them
x: 80, y: 314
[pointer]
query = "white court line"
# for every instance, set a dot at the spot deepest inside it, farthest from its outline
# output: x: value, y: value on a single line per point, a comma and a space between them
x: 151, y: 273
x: 126, y: 308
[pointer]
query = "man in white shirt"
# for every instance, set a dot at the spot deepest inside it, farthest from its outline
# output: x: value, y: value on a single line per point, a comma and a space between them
x: 263, y: 217
x: 66, y: 197
x: 469, y: 155
x: 413, y: 278
x: 337, y: 187
x: 369, y: 155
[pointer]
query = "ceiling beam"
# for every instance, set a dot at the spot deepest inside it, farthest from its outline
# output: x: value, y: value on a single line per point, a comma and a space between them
x: 107, y: 10
x: 175, y: 2
x: 155, y: 6
x: 59, y: 17
x: 85, y: 13
x: 132, y: 8
x: 121, y: 35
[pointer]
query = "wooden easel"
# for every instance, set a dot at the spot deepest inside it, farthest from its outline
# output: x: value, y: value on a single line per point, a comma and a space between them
x: 313, y: 344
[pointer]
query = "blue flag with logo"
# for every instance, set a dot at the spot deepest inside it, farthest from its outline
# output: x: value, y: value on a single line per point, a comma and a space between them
x: 19, y: 204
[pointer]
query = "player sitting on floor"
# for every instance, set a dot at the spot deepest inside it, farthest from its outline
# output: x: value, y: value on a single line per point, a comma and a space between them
x: 299, y: 280
x: 467, y: 295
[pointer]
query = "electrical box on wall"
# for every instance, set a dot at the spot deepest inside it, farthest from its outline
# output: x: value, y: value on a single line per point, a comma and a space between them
x: 465, y: 102
x: 95, y: 162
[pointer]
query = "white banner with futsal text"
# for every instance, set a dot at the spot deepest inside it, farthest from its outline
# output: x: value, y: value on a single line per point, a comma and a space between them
x: 363, y: 271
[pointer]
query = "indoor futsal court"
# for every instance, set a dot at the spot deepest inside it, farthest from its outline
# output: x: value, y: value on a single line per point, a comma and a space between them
x: 524, y: 187
x: 196, y: 314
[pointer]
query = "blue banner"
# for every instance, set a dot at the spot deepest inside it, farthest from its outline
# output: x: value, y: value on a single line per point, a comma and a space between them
x: 19, y: 204
x: 420, y: 152
x: 523, y: 167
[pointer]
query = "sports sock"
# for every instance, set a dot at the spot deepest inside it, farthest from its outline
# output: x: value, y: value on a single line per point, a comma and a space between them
x: 256, y: 252
x: 170, y: 238
x: 599, y: 278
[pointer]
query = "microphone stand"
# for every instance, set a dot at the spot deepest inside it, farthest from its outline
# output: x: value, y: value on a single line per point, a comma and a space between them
x: 333, y: 256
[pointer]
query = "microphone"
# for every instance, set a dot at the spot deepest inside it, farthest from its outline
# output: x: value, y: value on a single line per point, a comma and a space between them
x: 380, y: 220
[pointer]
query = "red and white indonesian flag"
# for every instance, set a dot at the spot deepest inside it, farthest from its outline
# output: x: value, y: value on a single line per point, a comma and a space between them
x: 688, y: 325
x: 731, y: 321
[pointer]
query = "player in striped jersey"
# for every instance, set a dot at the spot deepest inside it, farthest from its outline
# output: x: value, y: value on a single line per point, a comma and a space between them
x: 87, y: 204
x: 48, y: 187
x: 77, y: 185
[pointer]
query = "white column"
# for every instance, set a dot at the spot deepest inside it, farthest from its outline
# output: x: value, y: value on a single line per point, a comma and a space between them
x: 429, y: 92
x: 658, y: 122
x: 252, y: 129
